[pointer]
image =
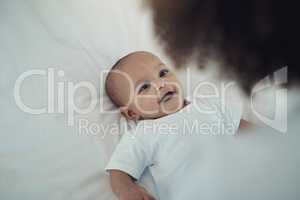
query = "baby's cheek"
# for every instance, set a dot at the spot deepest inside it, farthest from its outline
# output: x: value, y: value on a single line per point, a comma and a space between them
x: 147, y: 105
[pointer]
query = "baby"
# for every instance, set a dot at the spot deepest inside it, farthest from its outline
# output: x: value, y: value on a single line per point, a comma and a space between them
x: 166, y: 140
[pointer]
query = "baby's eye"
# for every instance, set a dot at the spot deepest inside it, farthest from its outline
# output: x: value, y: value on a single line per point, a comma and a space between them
x: 163, y: 72
x: 144, y: 86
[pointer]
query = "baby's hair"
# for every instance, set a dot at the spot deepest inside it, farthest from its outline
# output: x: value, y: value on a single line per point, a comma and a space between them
x: 107, y: 89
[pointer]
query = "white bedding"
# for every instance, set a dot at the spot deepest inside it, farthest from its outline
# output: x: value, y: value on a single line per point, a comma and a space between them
x: 41, y: 157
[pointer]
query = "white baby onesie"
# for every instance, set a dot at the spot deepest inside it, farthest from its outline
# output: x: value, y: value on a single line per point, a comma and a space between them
x: 171, y: 148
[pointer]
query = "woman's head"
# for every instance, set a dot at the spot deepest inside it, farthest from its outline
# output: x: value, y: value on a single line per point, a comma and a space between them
x: 251, y: 38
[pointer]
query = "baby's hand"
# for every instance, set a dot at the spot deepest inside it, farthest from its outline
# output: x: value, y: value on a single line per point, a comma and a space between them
x: 134, y: 192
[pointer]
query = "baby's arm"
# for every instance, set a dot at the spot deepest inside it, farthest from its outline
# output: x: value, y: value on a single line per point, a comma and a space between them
x: 125, y: 188
x: 131, y: 157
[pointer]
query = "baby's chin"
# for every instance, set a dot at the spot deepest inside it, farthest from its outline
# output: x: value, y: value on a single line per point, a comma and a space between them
x: 165, y: 108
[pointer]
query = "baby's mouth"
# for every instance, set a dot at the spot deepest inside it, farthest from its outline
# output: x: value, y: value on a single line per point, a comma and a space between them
x: 167, y: 96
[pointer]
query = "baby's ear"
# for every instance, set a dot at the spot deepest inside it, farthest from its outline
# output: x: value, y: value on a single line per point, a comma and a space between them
x: 129, y: 114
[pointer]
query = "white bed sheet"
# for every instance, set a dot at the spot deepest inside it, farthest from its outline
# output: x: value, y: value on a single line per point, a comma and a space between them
x: 41, y: 157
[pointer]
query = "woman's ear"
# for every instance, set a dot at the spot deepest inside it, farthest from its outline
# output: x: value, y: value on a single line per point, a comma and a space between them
x: 129, y: 114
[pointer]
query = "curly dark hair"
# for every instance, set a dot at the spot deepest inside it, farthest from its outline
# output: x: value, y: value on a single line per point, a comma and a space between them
x: 253, y: 38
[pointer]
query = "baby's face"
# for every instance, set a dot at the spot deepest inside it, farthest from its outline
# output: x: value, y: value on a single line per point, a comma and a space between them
x: 148, y: 88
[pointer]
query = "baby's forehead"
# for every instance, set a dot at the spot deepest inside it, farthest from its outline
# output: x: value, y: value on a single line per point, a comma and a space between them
x: 133, y: 67
x: 140, y: 55
x: 139, y: 60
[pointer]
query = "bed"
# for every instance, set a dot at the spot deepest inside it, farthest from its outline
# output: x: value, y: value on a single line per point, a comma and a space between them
x: 61, y: 155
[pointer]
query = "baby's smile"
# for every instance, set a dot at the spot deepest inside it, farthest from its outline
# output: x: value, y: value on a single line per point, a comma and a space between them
x: 167, y: 96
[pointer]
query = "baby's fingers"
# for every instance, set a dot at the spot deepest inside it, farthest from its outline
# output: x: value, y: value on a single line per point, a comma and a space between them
x: 148, y: 197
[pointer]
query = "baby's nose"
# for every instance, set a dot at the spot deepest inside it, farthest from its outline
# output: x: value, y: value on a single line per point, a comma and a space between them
x: 160, y: 84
